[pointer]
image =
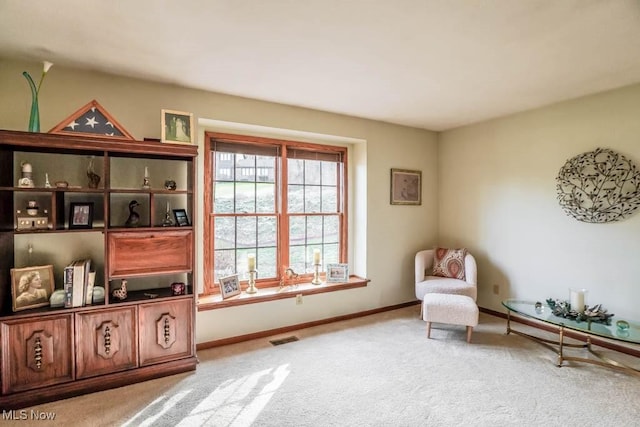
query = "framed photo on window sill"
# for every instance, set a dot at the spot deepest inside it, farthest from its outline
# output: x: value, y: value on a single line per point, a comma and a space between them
x: 229, y: 286
x: 337, y: 273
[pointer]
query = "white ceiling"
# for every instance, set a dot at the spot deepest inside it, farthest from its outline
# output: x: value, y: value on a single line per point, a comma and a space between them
x: 433, y: 64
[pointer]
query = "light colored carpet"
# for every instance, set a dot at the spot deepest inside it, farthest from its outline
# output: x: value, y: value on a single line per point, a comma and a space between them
x: 378, y: 370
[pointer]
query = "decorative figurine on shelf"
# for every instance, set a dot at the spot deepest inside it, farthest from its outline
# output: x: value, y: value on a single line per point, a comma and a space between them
x: 170, y: 184
x: 145, y: 182
x: 32, y: 208
x: 26, y: 181
x: 47, y: 184
x: 134, y: 217
x: 289, y: 275
x: 94, y: 178
x: 121, y: 293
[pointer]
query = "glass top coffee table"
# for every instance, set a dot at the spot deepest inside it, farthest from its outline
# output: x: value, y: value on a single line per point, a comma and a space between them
x: 619, y: 329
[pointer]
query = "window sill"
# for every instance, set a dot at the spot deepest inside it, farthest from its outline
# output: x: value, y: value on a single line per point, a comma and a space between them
x: 213, y: 302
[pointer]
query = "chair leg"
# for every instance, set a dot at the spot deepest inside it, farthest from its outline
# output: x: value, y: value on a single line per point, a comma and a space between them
x: 469, y: 331
x: 428, y: 329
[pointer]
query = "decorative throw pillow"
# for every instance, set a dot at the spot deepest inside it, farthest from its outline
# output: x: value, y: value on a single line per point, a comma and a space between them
x: 449, y: 263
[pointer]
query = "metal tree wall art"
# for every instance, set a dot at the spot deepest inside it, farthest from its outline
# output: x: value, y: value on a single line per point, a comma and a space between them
x: 599, y: 186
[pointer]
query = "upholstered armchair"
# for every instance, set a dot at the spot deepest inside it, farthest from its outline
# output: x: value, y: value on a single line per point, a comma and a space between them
x: 427, y: 283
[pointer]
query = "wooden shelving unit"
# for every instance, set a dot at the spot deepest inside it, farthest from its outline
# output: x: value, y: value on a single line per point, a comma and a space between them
x: 53, y: 353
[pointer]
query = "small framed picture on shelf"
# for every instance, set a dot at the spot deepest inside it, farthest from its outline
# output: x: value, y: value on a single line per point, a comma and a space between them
x: 229, y: 286
x: 31, y: 287
x: 182, y: 220
x: 178, y: 288
x: 337, y: 273
x: 80, y: 215
x: 177, y: 127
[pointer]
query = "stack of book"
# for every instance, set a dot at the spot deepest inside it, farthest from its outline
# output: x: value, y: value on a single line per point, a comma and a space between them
x: 78, y: 283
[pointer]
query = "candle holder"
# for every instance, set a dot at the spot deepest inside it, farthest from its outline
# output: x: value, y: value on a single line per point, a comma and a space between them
x: 252, y: 282
x: 145, y: 181
x: 316, y: 275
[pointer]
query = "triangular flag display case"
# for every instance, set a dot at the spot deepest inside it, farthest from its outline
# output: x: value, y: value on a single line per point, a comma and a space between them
x: 92, y: 120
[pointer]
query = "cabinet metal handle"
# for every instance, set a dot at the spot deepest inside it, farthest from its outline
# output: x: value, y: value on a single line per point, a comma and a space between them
x: 38, y: 353
x: 107, y: 340
x: 167, y: 330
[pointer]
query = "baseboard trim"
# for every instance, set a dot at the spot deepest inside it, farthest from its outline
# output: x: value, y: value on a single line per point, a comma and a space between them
x: 285, y: 329
x: 600, y: 342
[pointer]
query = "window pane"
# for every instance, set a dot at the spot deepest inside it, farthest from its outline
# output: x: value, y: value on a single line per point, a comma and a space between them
x: 296, y: 198
x: 312, y: 172
x: 265, y: 169
x: 267, y: 231
x: 314, y: 230
x: 312, y: 199
x: 225, y: 233
x: 295, y: 171
x: 329, y: 173
x: 247, y: 232
x: 224, y: 166
x: 331, y: 229
x: 245, y: 197
x: 331, y: 254
x: 329, y: 199
x: 266, y: 201
x: 266, y: 263
x: 297, y: 230
x: 245, y: 167
x: 224, y: 262
x: 223, y: 197
x: 296, y: 258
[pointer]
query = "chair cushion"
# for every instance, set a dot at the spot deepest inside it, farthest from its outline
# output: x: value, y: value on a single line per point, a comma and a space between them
x: 445, y: 285
x: 449, y: 263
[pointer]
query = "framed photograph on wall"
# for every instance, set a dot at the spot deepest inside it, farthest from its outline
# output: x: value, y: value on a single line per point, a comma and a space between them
x: 337, y: 273
x: 177, y: 127
x: 406, y: 187
x: 229, y: 286
x: 31, y: 287
x: 80, y: 215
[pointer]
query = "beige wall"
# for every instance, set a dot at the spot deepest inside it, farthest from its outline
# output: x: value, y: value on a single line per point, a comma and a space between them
x: 385, y: 237
x: 497, y: 196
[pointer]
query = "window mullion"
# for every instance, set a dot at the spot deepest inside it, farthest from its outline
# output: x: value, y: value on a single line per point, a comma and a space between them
x: 282, y: 184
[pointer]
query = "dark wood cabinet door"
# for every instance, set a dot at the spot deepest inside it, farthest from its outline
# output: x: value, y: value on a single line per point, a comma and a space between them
x: 165, y: 331
x: 106, y: 341
x: 36, y: 353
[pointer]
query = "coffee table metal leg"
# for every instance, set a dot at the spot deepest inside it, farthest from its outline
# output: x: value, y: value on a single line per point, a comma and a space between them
x: 560, y: 344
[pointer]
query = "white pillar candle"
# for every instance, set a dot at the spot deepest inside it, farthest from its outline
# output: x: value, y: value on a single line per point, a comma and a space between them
x: 316, y: 256
x: 146, y: 172
x: 577, y: 299
x: 251, y: 262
